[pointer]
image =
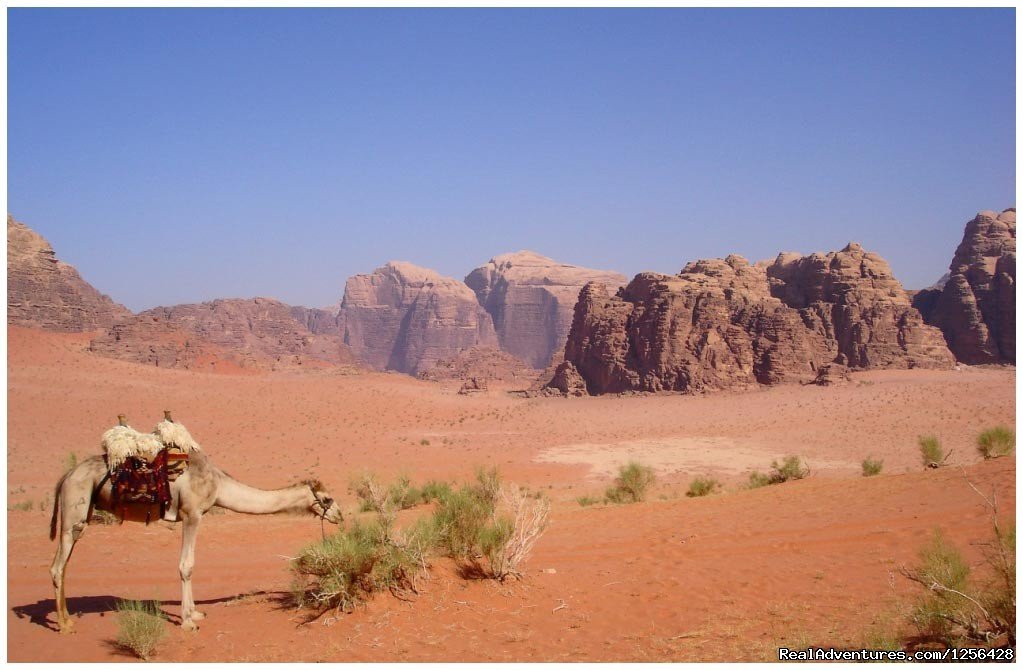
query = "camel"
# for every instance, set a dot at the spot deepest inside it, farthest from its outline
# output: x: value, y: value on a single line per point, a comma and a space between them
x: 201, y: 487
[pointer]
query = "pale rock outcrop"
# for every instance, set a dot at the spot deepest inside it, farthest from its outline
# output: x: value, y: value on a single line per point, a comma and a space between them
x: 727, y: 324
x: 976, y: 306
x: 531, y: 299
x: 406, y: 318
x: 44, y: 292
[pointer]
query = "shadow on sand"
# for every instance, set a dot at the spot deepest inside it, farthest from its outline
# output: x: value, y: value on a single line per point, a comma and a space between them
x: 43, y: 612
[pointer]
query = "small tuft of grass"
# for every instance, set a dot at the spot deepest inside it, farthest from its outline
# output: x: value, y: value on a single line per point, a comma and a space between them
x: 631, y: 485
x: 586, y: 501
x: 23, y: 506
x: 995, y: 442
x: 702, y: 486
x: 140, y: 626
x: 871, y: 466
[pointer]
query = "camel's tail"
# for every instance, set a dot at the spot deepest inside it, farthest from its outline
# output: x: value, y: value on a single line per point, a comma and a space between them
x: 56, y: 505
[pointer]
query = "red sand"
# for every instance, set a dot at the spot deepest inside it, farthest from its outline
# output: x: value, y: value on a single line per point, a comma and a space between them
x: 723, y: 578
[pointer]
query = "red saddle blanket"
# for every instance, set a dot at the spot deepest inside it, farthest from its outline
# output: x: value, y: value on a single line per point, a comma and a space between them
x: 139, y: 482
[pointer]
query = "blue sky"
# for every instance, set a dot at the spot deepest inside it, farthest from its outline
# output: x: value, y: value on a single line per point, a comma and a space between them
x: 183, y: 155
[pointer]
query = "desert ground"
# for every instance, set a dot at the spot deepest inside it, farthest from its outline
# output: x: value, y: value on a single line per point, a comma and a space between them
x: 727, y: 577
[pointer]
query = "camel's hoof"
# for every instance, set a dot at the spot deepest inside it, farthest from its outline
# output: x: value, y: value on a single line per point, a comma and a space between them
x: 197, y: 615
x: 67, y: 628
x: 188, y: 624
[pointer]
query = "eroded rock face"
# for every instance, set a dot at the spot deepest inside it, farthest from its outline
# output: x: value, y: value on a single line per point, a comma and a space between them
x: 726, y: 324
x: 531, y: 299
x: 406, y: 318
x: 480, y: 363
x: 253, y: 333
x: 44, y: 292
x: 976, y: 307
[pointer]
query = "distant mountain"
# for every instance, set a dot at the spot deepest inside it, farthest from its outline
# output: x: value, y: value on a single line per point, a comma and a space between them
x: 407, y: 318
x: 45, y: 292
x: 531, y: 299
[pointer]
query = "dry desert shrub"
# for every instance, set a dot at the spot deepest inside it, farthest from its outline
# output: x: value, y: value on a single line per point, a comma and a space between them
x: 702, y: 486
x: 631, y: 484
x: 140, y: 626
x: 791, y: 467
x: 931, y: 452
x: 871, y: 466
x: 489, y: 528
x: 344, y: 569
x: 960, y: 609
x: 995, y: 442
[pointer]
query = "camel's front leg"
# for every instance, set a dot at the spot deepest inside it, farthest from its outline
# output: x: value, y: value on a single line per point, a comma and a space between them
x: 189, y: 615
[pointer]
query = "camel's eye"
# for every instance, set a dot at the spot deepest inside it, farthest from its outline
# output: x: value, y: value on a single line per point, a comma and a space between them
x: 327, y: 502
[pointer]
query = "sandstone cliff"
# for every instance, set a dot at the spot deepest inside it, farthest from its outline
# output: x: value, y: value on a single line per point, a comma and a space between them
x: 406, y: 318
x: 44, y: 292
x: 531, y: 299
x: 976, y: 307
x: 727, y: 324
x: 255, y: 333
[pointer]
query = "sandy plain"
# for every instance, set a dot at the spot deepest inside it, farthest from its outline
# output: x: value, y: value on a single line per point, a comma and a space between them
x: 728, y: 577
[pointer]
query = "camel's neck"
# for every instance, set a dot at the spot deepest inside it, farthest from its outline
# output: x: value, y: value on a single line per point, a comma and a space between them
x: 238, y: 497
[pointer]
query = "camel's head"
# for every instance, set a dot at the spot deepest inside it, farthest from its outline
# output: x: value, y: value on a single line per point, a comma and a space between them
x: 322, y: 504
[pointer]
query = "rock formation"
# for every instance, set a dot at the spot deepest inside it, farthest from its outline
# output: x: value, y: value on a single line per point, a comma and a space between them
x: 406, y: 318
x: 481, y: 363
x: 726, y: 324
x: 976, y: 307
x: 44, y: 292
x: 531, y: 300
x: 252, y: 333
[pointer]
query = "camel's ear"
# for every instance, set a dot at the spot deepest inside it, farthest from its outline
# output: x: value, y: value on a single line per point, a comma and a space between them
x: 314, y: 484
x: 167, y: 415
x: 122, y: 420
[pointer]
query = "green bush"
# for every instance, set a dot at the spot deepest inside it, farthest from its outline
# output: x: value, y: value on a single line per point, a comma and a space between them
x: 434, y: 490
x: 791, y: 468
x: 702, y: 486
x: 758, y: 479
x: 995, y: 442
x: 140, y: 626
x: 957, y: 609
x: 631, y: 484
x: 345, y: 568
x: 586, y: 501
x: 463, y: 516
x: 487, y: 529
x: 402, y: 495
x: 930, y: 451
x: 871, y: 467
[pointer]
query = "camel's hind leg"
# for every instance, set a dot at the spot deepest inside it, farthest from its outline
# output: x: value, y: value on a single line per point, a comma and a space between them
x: 73, y: 521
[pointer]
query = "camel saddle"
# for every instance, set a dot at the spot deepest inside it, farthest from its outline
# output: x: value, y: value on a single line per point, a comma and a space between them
x: 138, y: 482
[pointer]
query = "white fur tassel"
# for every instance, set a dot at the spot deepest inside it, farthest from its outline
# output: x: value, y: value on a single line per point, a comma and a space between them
x: 123, y: 442
x: 175, y: 435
